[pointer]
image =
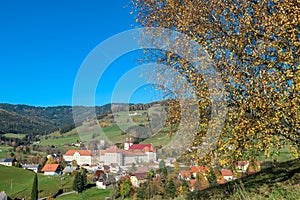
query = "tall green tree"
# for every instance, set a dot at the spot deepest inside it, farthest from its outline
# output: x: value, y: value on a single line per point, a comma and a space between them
x: 185, y: 186
x: 83, y: 178
x: 34, y: 191
x: 161, y: 164
x: 170, y: 189
x: 78, y: 185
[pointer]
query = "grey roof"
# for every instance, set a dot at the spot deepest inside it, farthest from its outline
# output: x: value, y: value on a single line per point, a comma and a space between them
x: 31, y: 166
x: 9, y: 160
x: 69, y: 169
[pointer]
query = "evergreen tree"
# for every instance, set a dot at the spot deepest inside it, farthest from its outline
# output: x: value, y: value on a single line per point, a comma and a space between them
x: 141, y: 191
x: 162, y: 164
x: 185, y: 186
x: 84, y: 178
x: 164, y: 171
x: 170, y: 189
x: 78, y: 184
x: 34, y: 191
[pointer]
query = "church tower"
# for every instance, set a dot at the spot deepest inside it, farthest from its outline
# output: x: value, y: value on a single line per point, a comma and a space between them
x: 126, y: 144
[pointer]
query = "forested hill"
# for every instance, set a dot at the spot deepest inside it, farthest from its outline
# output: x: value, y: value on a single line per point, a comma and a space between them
x: 42, y: 120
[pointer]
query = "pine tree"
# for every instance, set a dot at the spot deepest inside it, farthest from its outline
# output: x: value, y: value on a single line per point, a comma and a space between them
x: 34, y: 191
x: 162, y: 164
x: 170, y: 189
x: 185, y: 186
x: 78, y: 184
x: 84, y: 179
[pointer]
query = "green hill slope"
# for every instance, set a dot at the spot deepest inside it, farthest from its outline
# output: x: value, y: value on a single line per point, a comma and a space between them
x: 17, y: 183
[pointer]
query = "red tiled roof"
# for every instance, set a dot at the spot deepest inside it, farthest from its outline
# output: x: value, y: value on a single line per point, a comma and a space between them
x: 145, y: 147
x: 142, y: 169
x: 226, y: 172
x: 50, y: 168
x: 81, y: 152
x: 141, y: 175
x: 195, y: 169
x: 242, y: 163
x: 185, y: 173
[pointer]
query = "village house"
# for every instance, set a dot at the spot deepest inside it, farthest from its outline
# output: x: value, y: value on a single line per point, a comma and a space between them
x: 81, y: 156
x: 132, y: 153
x: 198, y: 169
x: 33, y: 167
x: 138, y: 178
x: 184, y: 174
x: 242, y: 166
x: 8, y: 161
x: 227, y: 174
x: 52, y: 169
x: 69, y: 169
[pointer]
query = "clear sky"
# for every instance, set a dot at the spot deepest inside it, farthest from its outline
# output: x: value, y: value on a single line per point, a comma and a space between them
x: 43, y: 44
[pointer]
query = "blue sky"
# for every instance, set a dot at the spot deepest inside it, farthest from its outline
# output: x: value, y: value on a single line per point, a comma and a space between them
x: 43, y: 43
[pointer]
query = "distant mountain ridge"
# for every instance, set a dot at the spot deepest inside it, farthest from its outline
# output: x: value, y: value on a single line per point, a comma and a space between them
x: 35, y: 120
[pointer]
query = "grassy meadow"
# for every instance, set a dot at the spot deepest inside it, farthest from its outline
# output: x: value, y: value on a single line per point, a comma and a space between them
x: 17, y: 183
x: 90, y: 194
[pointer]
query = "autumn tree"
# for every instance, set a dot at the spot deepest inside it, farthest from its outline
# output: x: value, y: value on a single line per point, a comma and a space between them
x: 211, y: 176
x: 176, y: 167
x: 74, y: 163
x: 125, y: 188
x: 254, y: 48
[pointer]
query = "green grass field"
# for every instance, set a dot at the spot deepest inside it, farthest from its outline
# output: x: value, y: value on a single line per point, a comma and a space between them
x: 17, y: 183
x: 4, y: 151
x: 12, y: 135
x: 158, y: 139
x: 90, y: 194
x: 112, y: 133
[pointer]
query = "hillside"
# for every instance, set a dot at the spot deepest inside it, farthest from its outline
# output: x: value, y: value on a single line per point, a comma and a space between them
x: 282, y: 181
x: 11, y: 122
x: 17, y: 183
x: 24, y: 119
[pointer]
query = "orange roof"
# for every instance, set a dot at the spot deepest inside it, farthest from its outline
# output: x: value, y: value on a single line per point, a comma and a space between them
x: 192, y: 182
x: 50, y: 168
x: 195, y: 169
x: 221, y: 181
x: 185, y: 173
x: 81, y: 152
x: 226, y: 172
